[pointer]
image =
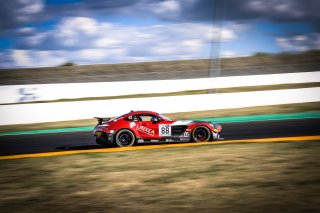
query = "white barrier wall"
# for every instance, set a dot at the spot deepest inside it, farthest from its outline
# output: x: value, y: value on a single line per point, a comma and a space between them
x: 45, y: 92
x: 60, y: 111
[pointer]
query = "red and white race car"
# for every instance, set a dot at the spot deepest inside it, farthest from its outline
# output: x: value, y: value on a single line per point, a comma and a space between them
x: 151, y: 127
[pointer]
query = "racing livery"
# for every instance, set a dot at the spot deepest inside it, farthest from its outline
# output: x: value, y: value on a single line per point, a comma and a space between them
x: 151, y: 127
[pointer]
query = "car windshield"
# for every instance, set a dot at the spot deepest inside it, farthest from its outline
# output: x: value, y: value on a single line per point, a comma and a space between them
x: 165, y: 118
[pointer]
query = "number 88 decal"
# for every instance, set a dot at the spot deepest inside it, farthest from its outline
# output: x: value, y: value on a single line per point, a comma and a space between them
x: 164, y: 130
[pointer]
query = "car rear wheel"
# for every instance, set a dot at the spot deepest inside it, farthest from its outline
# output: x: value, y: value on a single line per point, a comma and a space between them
x: 201, y: 134
x: 125, y: 138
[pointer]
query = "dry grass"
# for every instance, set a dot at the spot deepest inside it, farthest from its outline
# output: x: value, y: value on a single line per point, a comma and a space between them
x: 270, y: 177
x: 262, y: 64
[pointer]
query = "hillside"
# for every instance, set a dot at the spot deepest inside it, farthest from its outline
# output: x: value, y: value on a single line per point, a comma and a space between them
x: 258, y: 64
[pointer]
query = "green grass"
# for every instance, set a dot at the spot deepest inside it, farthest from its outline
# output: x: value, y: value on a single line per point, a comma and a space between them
x: 255, y: 177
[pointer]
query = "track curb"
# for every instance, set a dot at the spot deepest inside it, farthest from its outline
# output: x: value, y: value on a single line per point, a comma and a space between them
x: 162, y: 146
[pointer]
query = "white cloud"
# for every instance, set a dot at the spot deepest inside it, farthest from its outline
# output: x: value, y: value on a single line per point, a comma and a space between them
x: 256, y: 5
x: 47, y: 58
x: 193, y: 45
x: 34, y: 58
x: 99, y: 55
x: 21, y: 58
x: 27, y: 8
x: 228, y: 54
x: 44, y: 58
x: 86, y: 40
x: 165, y: 7
x: 299, y: 43
x: 31, y: 6
x: 78, y: 25
x: 300, y: 38
x: 226, y: 35
x: 92, y: 54
x: 36, y: 39
x: 25, y: 30
x: 106, y: 42
x: 176, y: 49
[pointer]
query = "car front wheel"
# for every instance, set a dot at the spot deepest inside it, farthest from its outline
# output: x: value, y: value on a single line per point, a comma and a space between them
x: 125, y: 138
x: 201, y: 134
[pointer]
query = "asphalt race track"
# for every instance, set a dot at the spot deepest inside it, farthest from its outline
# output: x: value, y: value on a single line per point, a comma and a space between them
x: 59, y: 142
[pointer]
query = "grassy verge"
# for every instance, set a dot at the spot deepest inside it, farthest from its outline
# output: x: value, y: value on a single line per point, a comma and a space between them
x: 268, y: 177
x: 285, y: 108
x: 189, y: 92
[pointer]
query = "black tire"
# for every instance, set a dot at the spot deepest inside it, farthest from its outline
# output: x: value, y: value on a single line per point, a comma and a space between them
x: 125, y: 138
x: 201, y: 134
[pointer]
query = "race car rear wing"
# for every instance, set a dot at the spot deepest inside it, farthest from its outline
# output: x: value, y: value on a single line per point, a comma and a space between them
x: 102, y: 120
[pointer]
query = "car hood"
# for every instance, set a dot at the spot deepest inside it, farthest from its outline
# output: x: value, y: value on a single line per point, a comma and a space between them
x: 187, y: 122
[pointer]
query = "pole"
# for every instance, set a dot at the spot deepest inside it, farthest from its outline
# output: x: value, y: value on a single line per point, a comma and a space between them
x: 218, y: 15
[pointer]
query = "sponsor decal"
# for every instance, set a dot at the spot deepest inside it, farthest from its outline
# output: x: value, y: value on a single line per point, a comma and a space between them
x: 132, y: 124
x: 169, y: 140
x: 145, y: 130
x: 186, y: 134
x: 164, y: 130
x: 28, y: 94
x: 154, y: 140
x: 182, y: 138
x: 140, y: 140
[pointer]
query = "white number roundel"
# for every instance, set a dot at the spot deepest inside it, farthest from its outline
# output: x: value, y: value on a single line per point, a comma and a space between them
x: 164, y: 130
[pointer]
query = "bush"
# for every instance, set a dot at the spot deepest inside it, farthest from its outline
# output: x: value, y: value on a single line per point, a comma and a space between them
x: 261, y: 54
x: 66, y: 64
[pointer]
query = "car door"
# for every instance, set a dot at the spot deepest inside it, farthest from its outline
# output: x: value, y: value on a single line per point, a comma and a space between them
x: 146, y: 127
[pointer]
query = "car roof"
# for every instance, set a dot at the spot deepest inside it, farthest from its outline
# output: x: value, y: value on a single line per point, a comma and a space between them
x: 144, y: 112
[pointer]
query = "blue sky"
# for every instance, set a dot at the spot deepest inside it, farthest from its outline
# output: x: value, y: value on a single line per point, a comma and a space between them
x: 36, y: 33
